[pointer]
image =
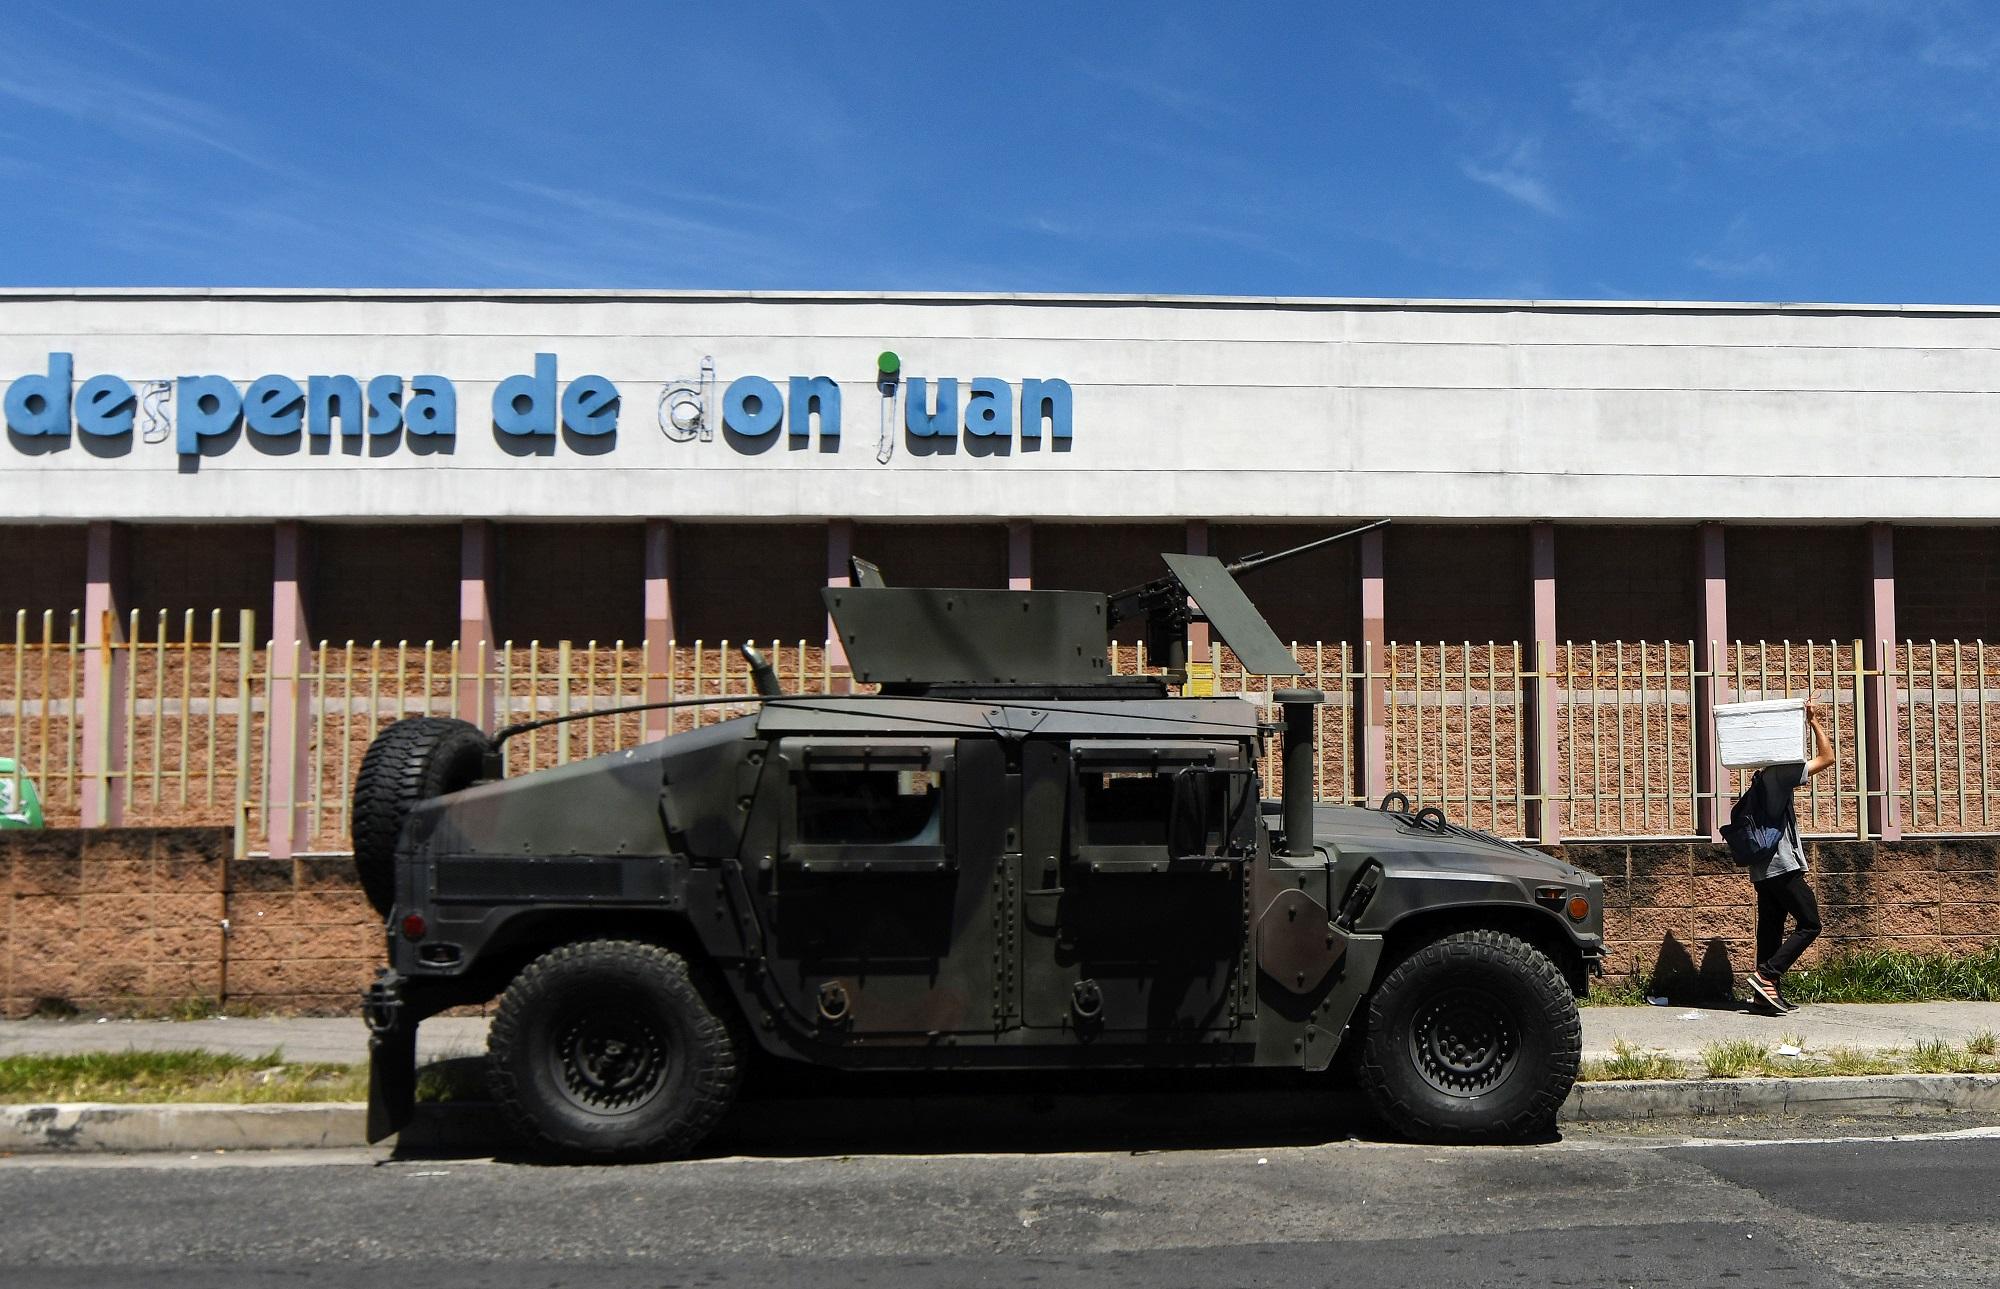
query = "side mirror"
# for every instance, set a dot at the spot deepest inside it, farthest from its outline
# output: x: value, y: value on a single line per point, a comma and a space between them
x: 1187, y: 820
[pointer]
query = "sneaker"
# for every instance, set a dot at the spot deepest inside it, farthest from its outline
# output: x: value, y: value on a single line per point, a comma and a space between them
x: 1784, y: 1002
x: 1765, y: 992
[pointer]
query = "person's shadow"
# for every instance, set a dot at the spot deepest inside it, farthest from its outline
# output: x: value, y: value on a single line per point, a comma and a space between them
x: 1710, y: 984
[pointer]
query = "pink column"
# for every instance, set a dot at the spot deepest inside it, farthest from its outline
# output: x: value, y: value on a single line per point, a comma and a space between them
x: 288, y: 723
x: 1885, y: 815
x: 1544, y: 821
x: 1020, y: 555
x: 478, y: 652
x: 839, y: 548
x: 1709, y: 690
x: 1374, y: 701
x: 1198, y: 639
x: 659, y: 621
x: 107, y: 672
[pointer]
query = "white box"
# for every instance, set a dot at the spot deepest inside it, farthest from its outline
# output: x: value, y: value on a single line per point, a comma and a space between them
x: 1750, y: 736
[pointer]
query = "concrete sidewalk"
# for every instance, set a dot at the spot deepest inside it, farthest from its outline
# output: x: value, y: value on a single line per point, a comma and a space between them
x: 1677, y: 1031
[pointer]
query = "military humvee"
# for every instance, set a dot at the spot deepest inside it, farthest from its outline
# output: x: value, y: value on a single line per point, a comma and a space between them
x: 1006, y: 858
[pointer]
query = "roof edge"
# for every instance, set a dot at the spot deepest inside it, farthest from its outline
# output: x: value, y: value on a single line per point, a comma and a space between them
x: 1083, y: 299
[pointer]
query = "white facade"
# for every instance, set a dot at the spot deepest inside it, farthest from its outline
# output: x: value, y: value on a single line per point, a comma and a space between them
x: 1225, y: 408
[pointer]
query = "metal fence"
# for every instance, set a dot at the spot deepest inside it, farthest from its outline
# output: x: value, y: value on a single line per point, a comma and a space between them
x: 185, y: 718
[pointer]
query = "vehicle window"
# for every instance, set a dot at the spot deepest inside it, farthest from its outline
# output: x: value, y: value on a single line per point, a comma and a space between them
x: 1125, y: 807
x: 869, y: 807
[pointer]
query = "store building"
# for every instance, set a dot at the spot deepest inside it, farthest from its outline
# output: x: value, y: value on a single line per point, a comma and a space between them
x: 654, y: 466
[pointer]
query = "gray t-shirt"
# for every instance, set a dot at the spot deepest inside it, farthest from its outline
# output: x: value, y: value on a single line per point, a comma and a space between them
x: 1778, y: 783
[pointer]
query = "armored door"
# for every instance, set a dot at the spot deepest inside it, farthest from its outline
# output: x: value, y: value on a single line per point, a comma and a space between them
x: 1128, y: 928
x: 880, y: 908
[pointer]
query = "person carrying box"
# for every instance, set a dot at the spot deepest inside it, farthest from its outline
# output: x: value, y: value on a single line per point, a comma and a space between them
x: 1780, y: 879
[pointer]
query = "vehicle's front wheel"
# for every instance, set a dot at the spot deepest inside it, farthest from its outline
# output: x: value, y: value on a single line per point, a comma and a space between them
x: 608, y: 1049
x: 1471, y: 1037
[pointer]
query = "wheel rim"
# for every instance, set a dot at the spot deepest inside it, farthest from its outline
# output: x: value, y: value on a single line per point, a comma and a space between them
x: 611, y: 1062
x: 1465, y: 1042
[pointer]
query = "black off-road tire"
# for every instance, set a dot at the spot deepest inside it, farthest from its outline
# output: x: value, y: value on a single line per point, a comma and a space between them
x: 1472, y: 1037
x: 609, y: 1050
x: 410, y: 761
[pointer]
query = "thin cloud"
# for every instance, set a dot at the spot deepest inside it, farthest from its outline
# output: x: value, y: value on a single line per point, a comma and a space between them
x: 1795, y: 74
x: 1514, y: 175
x: 1761, y: 264
x: 127, y: 107
x: 1736, y: 255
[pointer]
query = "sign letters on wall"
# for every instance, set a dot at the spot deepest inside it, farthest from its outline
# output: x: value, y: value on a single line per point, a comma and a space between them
x: 210, y: 414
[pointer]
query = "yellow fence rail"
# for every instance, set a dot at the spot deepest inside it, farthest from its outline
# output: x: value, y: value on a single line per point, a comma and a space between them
x: 165, y: 718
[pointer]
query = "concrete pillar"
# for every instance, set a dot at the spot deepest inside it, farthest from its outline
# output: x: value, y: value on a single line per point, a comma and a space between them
x: 1712, y: 639
x: 839, y: 549
x: 659, y: 623
x: 478, y: 651
x: 1878, y: 650
x: 1372, y: 750
x: 288, y: 719
x: 1198, y: 635
x: 1544, y: 822
x: 1020, y: 555
x: 107, y: 673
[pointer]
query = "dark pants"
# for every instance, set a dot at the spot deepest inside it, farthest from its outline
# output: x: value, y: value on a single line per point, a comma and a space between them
x: 1790, y: 894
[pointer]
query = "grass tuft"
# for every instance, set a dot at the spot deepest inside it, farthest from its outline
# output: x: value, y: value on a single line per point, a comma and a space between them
x: 1733, y: 1058
x: 1898, y: 976
x: 1935, y: 1056
x: 1982, y: 1043
x: 1853, y: 976
x: 1628, y: 1061
x: 457, y: 1079
x: 176, y: 1076
x: 1846, y: 1060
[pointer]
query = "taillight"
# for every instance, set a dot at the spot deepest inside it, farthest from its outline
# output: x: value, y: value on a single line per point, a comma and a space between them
x: 414, y: 926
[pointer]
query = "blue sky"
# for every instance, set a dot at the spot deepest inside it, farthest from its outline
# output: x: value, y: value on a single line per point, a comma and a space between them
x: 1840, y: 150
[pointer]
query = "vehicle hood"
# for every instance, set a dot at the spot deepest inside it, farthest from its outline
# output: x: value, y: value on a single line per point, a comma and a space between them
x: 1414, y: 847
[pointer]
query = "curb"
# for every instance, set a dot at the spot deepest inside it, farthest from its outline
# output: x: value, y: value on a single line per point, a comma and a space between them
x: 1610, y: 1102
x: 99, y: 1128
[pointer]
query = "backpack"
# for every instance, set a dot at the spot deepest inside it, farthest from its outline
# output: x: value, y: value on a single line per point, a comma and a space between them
x: 1752, y: 838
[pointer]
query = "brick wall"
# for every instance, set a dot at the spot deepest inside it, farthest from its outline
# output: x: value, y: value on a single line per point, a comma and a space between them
x: 45, y: 570
x: 749, y: 581
x: 1948, y: 583
x: 1685, y: 913
x: 131, y: 920
x: 1458, y: 582
x: 936, y: 554
x: 381, y: 582
x: 203, y: 567
x: 1795, y: 583
x: 1626, y: 582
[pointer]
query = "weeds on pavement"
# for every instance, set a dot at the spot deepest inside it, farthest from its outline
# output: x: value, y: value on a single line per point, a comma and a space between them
x: 176, y: 1076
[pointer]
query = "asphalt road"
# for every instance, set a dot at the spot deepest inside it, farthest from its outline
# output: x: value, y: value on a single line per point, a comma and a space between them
x: 1841, y: 1206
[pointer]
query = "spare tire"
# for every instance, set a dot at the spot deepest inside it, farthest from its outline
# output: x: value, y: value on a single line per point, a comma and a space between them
x: 412, y: 760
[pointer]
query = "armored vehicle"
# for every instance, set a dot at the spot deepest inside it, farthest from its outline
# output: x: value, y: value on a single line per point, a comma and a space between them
x: 1005, y: 858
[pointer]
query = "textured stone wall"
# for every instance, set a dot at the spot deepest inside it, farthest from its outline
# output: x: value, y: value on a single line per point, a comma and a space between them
x: 1686, y: 913
x: 151, y: 920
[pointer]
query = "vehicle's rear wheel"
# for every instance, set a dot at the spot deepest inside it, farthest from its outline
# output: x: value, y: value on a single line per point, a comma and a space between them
x: 1471, y: 1037
x: 410, y: 761
x: 608, y: 1049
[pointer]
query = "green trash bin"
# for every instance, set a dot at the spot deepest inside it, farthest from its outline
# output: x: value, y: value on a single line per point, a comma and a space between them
x: 20, y: 803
